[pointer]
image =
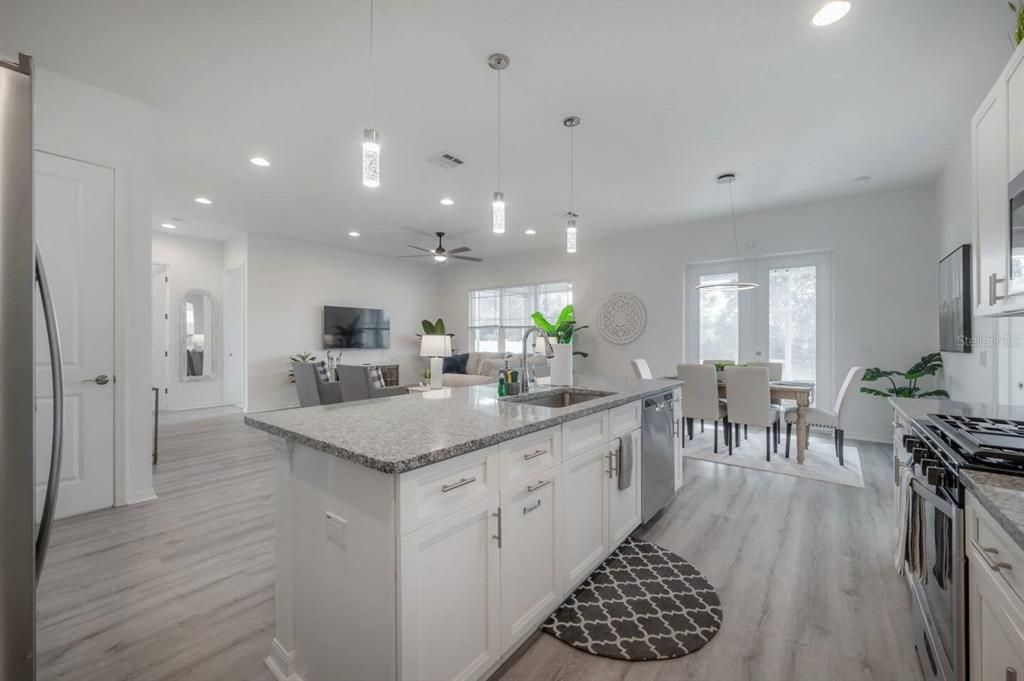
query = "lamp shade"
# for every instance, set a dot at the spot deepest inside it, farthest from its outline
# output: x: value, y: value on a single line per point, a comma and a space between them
x: 436, y: 346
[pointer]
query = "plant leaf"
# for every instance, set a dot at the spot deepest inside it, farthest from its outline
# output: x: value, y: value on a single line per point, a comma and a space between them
x: 874, y: 391
x: 543, y: 324
x: 934, y: 393
x: 566, y: 315
x: 439, y: 327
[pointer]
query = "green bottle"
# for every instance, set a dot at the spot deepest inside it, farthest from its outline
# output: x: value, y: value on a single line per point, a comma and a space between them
x: 502, y: 387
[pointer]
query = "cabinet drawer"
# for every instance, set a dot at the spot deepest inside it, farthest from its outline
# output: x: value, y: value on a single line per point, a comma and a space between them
x: 528, y: 455
x: 1003, y: 558
x: 584, y: 433
x: 434, y: 491
x: 624, y: 419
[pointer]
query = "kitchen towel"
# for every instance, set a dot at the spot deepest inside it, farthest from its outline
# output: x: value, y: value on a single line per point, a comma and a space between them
x: 625, y: 462
x: 910, y: 530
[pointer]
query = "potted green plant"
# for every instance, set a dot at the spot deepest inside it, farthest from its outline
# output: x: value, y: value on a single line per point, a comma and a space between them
x: 562, y: 332
x: 929, y: 365
x: 307, y: 357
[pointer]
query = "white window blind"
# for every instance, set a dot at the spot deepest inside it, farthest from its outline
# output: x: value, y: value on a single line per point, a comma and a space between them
x: 498, y: 317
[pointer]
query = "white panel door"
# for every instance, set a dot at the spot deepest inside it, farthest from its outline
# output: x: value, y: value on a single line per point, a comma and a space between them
x: 234, y: 336
x: 585, y: 512
x: 624, y: 504
x: 531, y: 565
x: 450, y: 596
x: 74, y: 221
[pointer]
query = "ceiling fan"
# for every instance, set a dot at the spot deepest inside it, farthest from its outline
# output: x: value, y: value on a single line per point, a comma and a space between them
x: 441, y: 254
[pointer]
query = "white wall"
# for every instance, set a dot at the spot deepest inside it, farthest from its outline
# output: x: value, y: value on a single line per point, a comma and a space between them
x: 192, y: 264
x: 884, y: 273
x: 288, y: 284
x: 83, y: 122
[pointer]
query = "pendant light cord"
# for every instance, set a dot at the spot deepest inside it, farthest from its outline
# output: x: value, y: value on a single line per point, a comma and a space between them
x: 499, y: 130
x: 732, y: 211
x: 572, y: 170
x: 372, y: 68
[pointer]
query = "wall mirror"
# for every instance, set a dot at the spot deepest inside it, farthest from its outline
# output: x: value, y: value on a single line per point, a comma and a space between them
x: 199, y: 324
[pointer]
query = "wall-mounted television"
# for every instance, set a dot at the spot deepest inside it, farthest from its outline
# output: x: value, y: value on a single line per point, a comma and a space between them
x: 356, y: 328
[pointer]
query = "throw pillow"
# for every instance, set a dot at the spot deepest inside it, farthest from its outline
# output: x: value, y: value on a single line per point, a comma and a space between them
x: 456, y: 364
x: 323, y: 373
x: 376, y: 377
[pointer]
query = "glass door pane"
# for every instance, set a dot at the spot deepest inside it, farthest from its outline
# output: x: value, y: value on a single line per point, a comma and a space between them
x: 718, y: 317
x: 793, y: 320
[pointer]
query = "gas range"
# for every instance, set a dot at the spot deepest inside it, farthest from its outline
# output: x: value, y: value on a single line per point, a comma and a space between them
x: 978, y: 443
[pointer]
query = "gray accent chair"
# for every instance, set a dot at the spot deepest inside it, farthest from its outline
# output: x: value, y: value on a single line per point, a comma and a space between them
x: 312, y: 391
x: 356, y: 384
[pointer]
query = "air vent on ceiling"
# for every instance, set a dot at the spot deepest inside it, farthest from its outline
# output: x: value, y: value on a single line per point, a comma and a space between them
x: 445, y: 160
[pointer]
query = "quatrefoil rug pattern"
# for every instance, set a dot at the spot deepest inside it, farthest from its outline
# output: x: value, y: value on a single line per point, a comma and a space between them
x: 643, y: 603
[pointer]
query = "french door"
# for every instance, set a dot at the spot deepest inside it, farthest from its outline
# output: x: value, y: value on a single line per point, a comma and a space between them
x: 787, y: 318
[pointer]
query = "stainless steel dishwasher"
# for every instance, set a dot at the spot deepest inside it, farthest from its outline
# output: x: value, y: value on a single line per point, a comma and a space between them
x: 657, y: 474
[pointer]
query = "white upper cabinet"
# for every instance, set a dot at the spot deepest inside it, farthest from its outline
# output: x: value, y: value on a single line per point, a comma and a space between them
x: 1015, y: 114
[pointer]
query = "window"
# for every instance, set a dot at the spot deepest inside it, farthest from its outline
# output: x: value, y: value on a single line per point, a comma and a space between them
x: 498, y: 317
x: 793, y: 320
x: 719, y: 319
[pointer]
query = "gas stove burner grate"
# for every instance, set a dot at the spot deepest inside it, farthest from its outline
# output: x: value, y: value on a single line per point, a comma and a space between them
x: 993, y: 444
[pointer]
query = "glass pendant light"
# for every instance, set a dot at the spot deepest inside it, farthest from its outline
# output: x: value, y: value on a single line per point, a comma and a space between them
x: 499, y: 62
x: 729, y: 178
x: 570, y: 223
x: 371, y: 138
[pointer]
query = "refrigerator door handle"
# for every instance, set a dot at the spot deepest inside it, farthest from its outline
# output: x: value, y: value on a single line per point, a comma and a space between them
x: 57, y: 443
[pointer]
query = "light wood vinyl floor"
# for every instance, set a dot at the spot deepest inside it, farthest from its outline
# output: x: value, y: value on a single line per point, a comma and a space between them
x: 182, y: 588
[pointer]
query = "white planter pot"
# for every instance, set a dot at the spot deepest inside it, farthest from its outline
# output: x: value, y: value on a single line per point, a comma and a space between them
x: 561, y: 364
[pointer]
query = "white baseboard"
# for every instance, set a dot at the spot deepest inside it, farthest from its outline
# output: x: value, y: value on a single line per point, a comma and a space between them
x: 281, y: 662
x: 197, y: 407
x: 138, y: 496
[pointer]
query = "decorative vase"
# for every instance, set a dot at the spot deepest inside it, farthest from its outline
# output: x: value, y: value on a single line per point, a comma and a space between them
x: 561, y: 364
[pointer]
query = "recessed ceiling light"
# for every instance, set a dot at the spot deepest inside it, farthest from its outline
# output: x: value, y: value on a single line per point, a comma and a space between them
x: 831, y: 12
x: 531, y: 231
x: 446, y: 201
x: 259, y: 161
x: 353, y: 234
x: 168, y: 225
x: 203, y: 200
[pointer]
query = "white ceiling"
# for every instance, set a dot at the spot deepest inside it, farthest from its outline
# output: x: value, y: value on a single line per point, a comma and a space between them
x: 670, y: 93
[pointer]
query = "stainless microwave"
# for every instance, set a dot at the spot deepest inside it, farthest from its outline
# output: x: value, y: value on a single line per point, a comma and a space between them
x: 1015, y: 266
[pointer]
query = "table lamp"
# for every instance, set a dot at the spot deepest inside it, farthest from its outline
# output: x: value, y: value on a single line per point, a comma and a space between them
x: 436, y: 347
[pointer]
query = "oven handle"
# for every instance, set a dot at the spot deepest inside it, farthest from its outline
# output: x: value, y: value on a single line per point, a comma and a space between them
x: 931, y: 497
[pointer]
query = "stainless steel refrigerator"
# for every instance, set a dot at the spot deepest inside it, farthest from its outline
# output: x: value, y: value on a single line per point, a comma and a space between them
x: 23, y: 543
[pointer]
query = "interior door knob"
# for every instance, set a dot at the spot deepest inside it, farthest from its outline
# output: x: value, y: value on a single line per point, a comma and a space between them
x: 102, y: 379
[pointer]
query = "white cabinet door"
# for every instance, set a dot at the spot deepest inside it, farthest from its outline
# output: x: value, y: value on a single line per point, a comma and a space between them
x: 679, y: 432
x: 585, y: 512
x: 531, y: 560
x: 450, y: 596
x: 991, y: 209
x: 997, y: 642
x: 1015, y: 112
x: 624, y: 504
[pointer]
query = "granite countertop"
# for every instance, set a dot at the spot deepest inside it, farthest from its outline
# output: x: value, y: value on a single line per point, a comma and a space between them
x: 405, y: 432
x: 1001, y: 495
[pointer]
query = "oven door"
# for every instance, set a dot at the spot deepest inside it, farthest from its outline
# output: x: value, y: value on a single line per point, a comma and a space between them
x: 939, y: 592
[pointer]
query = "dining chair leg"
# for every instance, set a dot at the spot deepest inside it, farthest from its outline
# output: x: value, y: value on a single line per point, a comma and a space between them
x: 689, y: 427
x: 702, y: 425
x: 835, y: 441
x: 744, y: 431
x: 789, y: 433
x: 729, y: 436
x: 775, y: 436
x: 768, y: 443
x: 715, y: 426
x: 736, y: 434
x: 839, y: 445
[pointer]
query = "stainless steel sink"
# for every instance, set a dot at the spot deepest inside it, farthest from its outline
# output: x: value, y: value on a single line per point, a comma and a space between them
x: 556, y: 399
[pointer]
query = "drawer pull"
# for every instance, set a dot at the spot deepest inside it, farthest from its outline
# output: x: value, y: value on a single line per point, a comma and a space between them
x: 534, y: 488
x: 534, y: 454
x: 994, y: 279
x: 1011, y: 674
x: 455, y: 485
x: 532, y: 507
x: 986, y: 554
x: 497, y: 515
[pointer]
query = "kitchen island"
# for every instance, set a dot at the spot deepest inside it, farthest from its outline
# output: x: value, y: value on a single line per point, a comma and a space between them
x: 426, y: 536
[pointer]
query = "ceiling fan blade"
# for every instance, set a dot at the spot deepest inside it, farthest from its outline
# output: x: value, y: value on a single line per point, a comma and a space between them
x: 460, y: 249
x: 419, y: 249
x: 466, y: 257
x: 415, y: 256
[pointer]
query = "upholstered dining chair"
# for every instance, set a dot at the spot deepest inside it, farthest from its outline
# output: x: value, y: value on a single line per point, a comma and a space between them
x: 774, y: 369
x: 749, y: 403
x: 641, y: 369
x: 700, y: 397
x: 823, y: 418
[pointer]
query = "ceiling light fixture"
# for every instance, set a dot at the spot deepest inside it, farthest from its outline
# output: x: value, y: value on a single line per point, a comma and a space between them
x: 570, y: 224
x: 371, y: 138
x: 203, y: 200
x: 168, y: 225
x: 498, y: 62
x: 353, y: 234
x: 446, y: 201
x: 531, y: 232
x: 729, y: 178
x: 831, y: 12
x: 439, y: 257
x: 259, y: 161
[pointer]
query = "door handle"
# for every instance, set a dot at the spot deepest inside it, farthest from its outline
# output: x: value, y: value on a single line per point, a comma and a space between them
x: 102, y: 379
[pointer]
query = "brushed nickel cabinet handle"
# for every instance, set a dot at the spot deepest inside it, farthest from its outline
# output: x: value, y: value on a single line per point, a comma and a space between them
x: 986, y: 555
x: 534, y: 454
x: 532, y: 507
x: 497, y: 536
x: 534, y: 488
x: 992, y: 281
x: 455, y: 485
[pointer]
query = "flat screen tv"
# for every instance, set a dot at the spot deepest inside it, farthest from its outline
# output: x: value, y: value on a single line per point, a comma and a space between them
x: 356, y: 327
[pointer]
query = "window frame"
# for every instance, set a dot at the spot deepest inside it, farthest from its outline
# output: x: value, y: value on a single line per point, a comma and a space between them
x: 500, y: 328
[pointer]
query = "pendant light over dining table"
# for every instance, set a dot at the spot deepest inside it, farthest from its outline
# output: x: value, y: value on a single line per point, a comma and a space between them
x: 570, y: 217
x: 371, y: 138
x: 729, y: 179
x: 499, y: 62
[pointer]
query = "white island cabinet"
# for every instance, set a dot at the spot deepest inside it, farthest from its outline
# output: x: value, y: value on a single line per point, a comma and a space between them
x: 440, y: 571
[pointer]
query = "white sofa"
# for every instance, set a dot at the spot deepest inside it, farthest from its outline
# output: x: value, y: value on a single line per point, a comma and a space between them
x: 483, y: 367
